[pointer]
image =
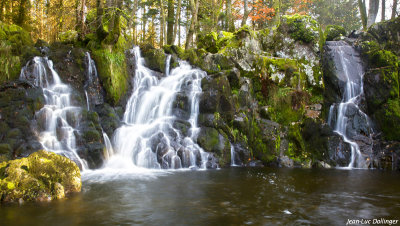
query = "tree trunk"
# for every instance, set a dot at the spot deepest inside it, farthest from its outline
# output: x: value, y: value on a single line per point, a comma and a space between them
x: 82, y: 33
x: 195, y: 8
x: 363, y: 13
x: 134, y: 22
x: 1, y: 10
x: 100, y: 32
x: 245, y: 13
x: 117, y: 20
x: 111, y: 13
x: 394, y: 9
x: 383, y: 16
x: 177, y: 21
x: 229, y: 22
x: 277, y: 7
x: 372, y: 12
x: 170, y: 22
x: 162, y: 24
x: 144, y: 19
x: 22, y: 11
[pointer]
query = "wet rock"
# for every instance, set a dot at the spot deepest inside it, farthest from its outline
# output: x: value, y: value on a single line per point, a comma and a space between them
x: 182, y: 126
x: 255, y: 163
x: 18, y: 102
x: 211, y: 162
x: 285, y: 161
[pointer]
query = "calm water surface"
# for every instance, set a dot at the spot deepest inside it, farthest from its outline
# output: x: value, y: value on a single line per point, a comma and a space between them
x: 235, y: 196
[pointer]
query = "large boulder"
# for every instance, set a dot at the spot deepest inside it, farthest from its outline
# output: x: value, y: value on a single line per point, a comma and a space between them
x: 217, y: 142
x: 42, y: 176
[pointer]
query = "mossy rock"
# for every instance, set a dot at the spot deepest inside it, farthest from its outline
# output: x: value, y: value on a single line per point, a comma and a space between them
x: 69, y: 36
x: 154, y: 58
x: 334, y: 31
x: 300, y: 27
x: 208, y: 42
x: 388, y: 118
x: 42, y: 176
x: 91, y: 136
x: 112, y: 69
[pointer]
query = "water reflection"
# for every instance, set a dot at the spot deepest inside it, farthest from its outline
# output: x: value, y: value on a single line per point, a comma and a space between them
x: 222, y: 197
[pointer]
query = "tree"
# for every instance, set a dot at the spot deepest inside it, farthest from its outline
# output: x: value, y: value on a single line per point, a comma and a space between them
x: 22, y: 12
x: 363, y: 13
x: 230, y: 26
x: 372, y: 12
x: 394, y: 9
x: 194, y: 6
x: 177, y: 21
x: 383, y: 16
x: 245, y: 12
x: 162, y: 24
x: 170, y: 22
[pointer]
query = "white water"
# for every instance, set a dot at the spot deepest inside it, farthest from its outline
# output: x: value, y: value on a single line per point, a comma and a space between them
x: 233, y: 155
x: 148, y: 139
x: 58, y: 118
x: 107, y: 143
x: 350, y: 71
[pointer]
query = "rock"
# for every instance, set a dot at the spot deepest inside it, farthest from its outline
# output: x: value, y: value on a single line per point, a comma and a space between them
x: 42, y: 176
x: 212, y: 162
x: 286, y: 162
x: 154, y: 58
x: 321, y: 164
x: 217, y: 142
x: 216, y: 96
x: 255, y: 163
x: 334, y: 31
x: 18, y: 102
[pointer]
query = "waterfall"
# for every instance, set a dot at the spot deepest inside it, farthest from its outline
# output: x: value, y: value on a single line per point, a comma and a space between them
x: 152, y: 136
x: 233, y: 155
x: 58, y: 119
x: 348, y: 116
x: 92, y: 85
x: 109, y: 148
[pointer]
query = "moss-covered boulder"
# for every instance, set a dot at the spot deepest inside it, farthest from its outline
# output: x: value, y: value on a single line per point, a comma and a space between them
x: 112, y: 69
x: 217, y: 142
x: 334, y: 31
x: 208, y: 42
x: 154, y: 58
x: 42, y: 176
x: 300, y: 27
x: 388, y: 119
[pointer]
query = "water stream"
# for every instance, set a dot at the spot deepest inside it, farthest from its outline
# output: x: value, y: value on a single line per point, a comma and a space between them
x: 350, y: 71
x: 59, y: 118
x: 151, y: 137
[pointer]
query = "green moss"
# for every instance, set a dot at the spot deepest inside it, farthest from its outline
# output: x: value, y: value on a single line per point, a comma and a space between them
x: 301, y: 28
x: 69, y: 36
x: 387, y: 64
x: 111, y: 66
x: 208, y: 42
x: 334, y: 31
x: 40, y: 177
x: 173, y: 49
x: 388, y: 118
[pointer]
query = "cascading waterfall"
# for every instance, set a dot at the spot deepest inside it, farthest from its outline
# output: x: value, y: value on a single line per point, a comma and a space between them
x: 233, y: 155
x: 350, y: 71
x: 92, y: 86
x: 150, y: 137
x: 58, y: 118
